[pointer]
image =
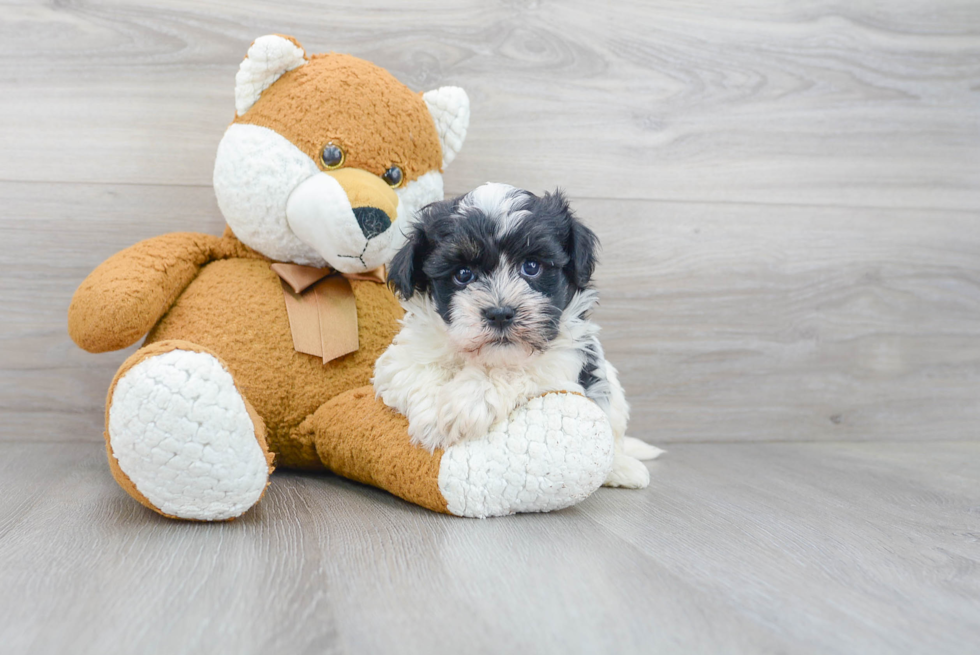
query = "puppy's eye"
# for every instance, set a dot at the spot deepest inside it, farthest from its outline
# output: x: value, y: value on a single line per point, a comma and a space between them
x: 393, y: 176
x: 531, y: 268
x: 463, y: 276
x: 332, y: 156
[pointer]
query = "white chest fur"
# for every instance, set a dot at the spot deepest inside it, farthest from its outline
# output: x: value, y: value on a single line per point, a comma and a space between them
x: 448, y: 395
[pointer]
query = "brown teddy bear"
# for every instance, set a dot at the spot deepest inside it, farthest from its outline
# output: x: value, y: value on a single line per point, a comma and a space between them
x: 260, y: 344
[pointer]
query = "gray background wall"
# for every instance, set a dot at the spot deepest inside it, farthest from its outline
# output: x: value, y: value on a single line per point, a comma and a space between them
x: 787, y: 193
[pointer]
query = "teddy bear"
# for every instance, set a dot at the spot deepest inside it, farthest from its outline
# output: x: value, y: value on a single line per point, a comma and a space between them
x: 260, y: 344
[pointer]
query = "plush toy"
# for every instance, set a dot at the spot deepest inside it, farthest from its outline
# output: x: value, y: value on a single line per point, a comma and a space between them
x: 260, y: 344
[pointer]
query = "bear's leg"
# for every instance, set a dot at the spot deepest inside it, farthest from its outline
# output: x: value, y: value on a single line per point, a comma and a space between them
x: 181, y: 437
x: 549, y: 454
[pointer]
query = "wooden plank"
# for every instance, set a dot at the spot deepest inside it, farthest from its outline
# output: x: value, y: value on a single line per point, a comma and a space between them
x: 839, y: 548
x: 321, y: 564
x: 53, y: 236
x: 743, y: 322
x: 814, y: 102
x: 735, y: 548
x: 728, y: 322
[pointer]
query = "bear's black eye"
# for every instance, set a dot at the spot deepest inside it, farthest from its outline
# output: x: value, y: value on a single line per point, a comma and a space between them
x: 332, y: 156
x: 393, y: 176
x: 531, y: 268
x: 463, y: 276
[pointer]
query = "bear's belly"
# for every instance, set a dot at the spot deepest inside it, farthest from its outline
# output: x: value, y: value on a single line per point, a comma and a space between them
x: 235, y: 308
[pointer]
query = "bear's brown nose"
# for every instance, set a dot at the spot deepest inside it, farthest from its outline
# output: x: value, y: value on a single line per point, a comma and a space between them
x: 372, y: 221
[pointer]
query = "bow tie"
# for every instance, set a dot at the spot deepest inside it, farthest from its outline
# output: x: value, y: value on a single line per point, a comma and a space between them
x: 321, y: 308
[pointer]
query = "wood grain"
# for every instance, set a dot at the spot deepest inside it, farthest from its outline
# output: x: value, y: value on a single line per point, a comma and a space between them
x: 735, y: 322
x: 820, y: 102
x: 765, y: 548
x: 821, y: 542
x: 53, y: 237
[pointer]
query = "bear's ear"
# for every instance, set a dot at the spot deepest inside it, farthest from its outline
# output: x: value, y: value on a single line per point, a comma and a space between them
x: 450, y: 109
x: 268, y: 58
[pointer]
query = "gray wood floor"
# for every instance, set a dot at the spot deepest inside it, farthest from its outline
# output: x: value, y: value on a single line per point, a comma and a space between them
x: 788, y: 195
x: 777, y: 548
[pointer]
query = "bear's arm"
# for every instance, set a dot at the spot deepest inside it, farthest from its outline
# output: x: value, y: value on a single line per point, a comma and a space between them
x: 128, y: 293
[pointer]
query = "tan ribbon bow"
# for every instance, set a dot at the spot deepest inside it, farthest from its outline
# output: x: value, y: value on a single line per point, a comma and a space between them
x: 321, y: 308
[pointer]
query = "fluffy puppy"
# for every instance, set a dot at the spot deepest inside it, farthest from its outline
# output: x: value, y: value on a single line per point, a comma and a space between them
x: 496, y: 288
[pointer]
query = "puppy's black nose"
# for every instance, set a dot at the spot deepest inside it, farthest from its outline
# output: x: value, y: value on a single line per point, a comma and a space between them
x: 499, y: 317
x: 372, y: 221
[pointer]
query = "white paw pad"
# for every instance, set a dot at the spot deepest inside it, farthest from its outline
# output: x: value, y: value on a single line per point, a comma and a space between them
x: 549, y: 454
x: 180, y: 431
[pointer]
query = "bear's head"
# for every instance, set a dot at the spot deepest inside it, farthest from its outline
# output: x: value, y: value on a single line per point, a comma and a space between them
x: 329, y: 156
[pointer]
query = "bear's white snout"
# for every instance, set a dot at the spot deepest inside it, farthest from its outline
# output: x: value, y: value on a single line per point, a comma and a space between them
x: 277, y: 201
x: 346, y: 217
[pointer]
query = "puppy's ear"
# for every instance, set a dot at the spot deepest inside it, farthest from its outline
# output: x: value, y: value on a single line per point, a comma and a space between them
x: 405, y: 275
x: 581, y: 244
x: 584, y: 253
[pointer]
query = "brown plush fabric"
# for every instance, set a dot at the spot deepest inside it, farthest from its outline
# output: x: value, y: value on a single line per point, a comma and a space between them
x: 308, y: 413
x: 128, y: 293
x: 235, y: 308
x: 358, y: 106
x: 140, y: 355
x: 366, y: 190
x: 216, y: 295
x: 360, y: 438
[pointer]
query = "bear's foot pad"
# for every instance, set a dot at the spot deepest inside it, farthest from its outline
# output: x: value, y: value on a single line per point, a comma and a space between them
x: 549, y: 454
x: 182, y: 434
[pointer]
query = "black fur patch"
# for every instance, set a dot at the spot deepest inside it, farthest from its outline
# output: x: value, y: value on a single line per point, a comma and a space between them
x: 587, y: 377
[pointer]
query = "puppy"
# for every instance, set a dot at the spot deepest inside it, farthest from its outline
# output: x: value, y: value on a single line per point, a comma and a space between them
x: 496, y: 288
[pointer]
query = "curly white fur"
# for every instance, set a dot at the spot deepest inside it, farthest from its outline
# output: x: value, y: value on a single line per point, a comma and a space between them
x: 448, y: 396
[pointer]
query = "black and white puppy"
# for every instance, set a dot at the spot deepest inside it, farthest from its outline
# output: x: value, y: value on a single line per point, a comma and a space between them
x: 496, y: 288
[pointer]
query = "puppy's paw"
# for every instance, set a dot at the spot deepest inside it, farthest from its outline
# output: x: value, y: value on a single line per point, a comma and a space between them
x: 627, y: 472
x: 423, y: 430
x: 641, y: 450
x: 463, y: 409
x: 467, y: 422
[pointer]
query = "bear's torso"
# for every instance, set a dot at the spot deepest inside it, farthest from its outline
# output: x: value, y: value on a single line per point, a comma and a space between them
x: 235, y: 307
